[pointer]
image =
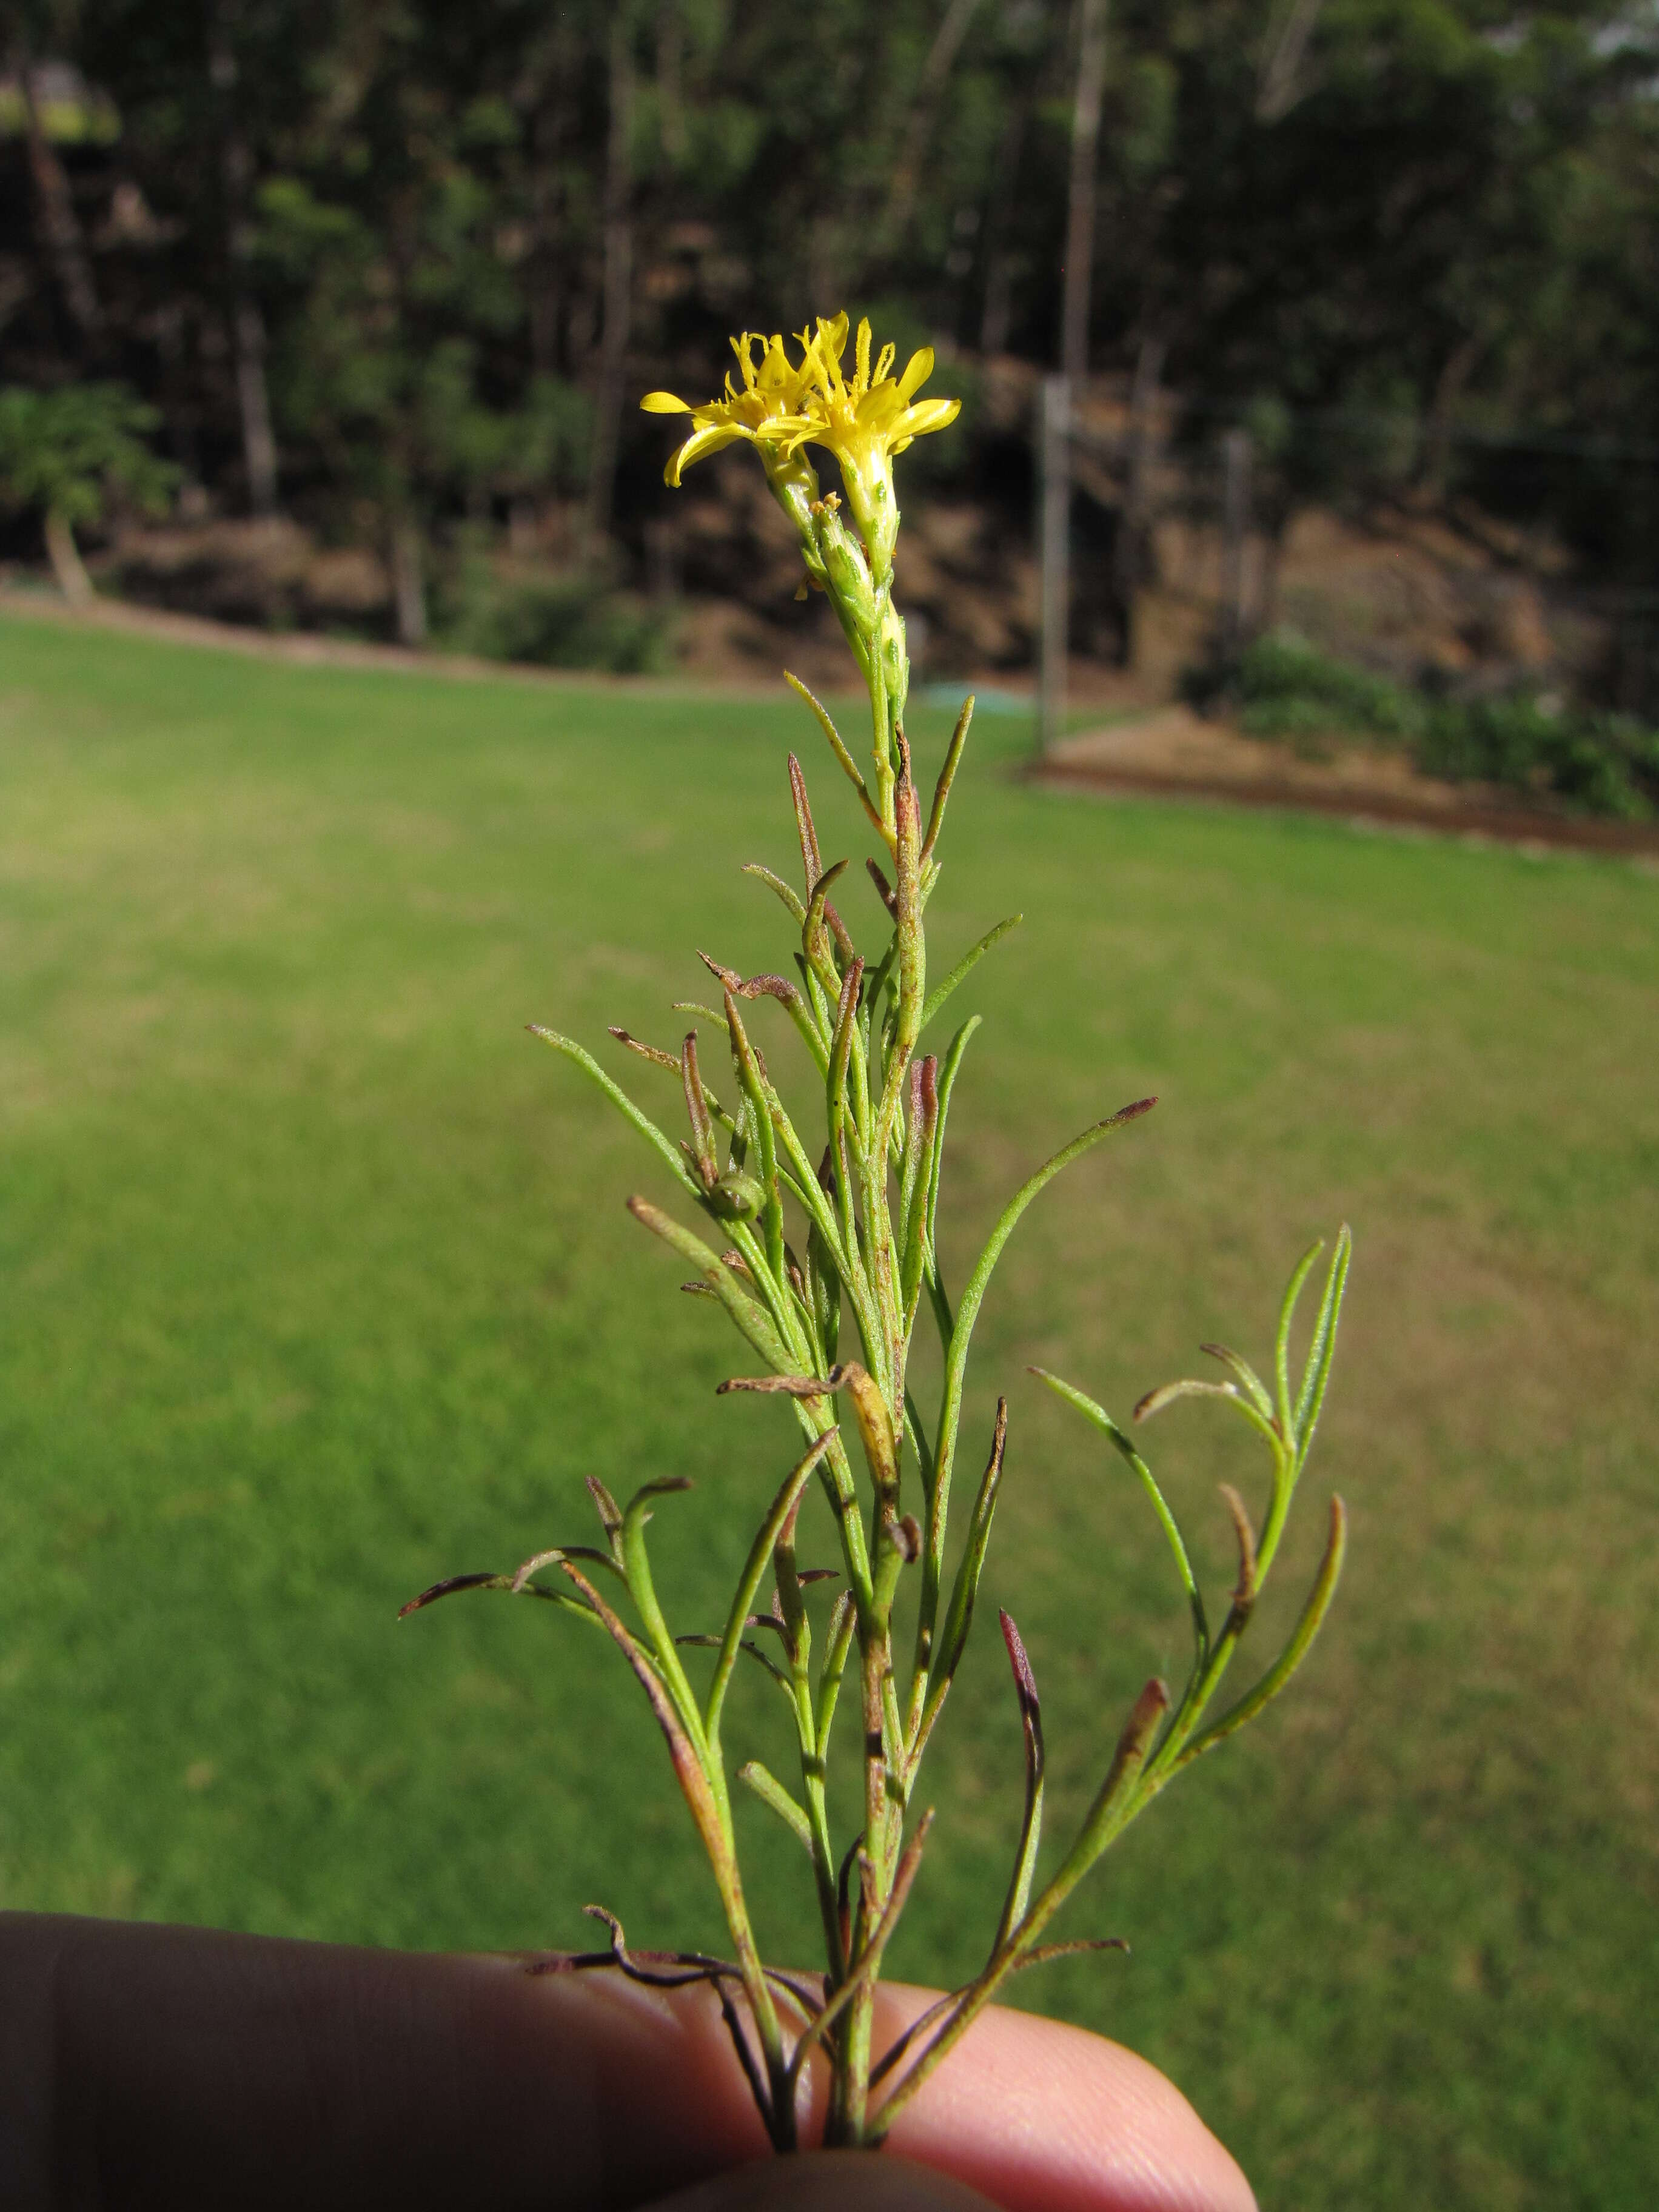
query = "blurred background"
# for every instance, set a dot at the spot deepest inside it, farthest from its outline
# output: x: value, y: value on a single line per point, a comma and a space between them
x: 335, y: 318
x: 1308, y: 452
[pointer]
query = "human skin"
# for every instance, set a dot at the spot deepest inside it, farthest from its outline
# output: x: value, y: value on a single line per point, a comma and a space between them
x: 148, y: 2067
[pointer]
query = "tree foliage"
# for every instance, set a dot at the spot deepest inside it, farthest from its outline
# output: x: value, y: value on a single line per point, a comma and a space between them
x: 1418, y: 236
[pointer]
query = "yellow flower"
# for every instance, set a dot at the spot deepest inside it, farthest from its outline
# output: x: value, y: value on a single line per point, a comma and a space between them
x: 766, y: 411
x: 864, y: 420
x: 783, y: 408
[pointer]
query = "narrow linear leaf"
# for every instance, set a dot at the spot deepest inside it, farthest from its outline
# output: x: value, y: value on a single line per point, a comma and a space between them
x: 869, y: 1965
x: 1030, y: 1833
x: 1244, y: 1590
x: 790, y: 896
x: 1249, y: 1381
x: 654, y: 1053
x: 1109, y: 1428
x: 688, y: 1767
x: 510, y: 1583
x: 605, y: 1506
x: 812, y: 865
x: 749, y: 1582
x: 947, y: 1082
x: 764, y: 1659
x: 752, y: 1318
x: 1041, y: 1953
x: 1195, y: 1386
x: 843, y: 1621
x: 848, y: 764
x: 784, y: 1386
x: 959, y: 1614
x: 451, y: 1586
x: 1282, y: 1341
x: 1321, y: 1352
x: 620, y: 1099
x: 771, y: 1792
x: 1313, y: 1613
x: 1133, y: 1746
x: 973, y: 1298
x: 946, y: 777
x: 965, y: 966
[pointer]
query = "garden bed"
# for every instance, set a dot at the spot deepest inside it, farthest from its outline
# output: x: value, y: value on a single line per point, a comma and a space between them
x: 1174, y: 752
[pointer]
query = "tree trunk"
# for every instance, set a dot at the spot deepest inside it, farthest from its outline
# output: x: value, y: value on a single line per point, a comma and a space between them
x: 1129, y: 554
x: 1277, y: 89
x: 1080, y: 210
x: 66, y: 562
x: 618, y: 282
x: 247, y: 325
x: 1054, y: 528
x: 408, y: 580
x: 253, y: 397
x: 670, y: 89
x: 1235, y: 532
x: 1435, y: 465
x: 60, y: 228
x: 919, y: 126
x: 551, y: 67
x: 999, y: 263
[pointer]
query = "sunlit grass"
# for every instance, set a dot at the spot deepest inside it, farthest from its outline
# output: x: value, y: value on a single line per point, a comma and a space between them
x: 303, y: 1307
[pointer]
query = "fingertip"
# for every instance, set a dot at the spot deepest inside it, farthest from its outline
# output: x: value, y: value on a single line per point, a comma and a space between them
x: 1035, y: 2114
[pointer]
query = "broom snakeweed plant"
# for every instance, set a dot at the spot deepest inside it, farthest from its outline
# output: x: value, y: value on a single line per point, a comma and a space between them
x: 799, y: 1234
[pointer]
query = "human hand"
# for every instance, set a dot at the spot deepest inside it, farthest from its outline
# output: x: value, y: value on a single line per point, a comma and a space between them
x: 168, y: 2068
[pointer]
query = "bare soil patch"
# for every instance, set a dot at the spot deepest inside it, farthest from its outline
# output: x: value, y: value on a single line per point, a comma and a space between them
x: 1172, y: 752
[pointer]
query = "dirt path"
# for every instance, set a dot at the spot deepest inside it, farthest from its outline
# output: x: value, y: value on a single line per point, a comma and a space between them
x: 1174, y: 753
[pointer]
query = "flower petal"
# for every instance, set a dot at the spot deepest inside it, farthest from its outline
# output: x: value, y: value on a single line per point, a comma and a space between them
x: 917, y: 370
x: 664, y: 402
x: 929, y: 414
x: 707, y: 441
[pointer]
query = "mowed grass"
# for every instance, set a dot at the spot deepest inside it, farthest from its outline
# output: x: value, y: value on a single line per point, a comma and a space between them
x: 318, y: 1285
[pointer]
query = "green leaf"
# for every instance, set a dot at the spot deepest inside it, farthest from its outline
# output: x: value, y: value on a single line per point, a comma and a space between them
x: 836, y: 746
x: 959, y: 1613
x: 1195, y: 1386
x: 965, y: 967
x: 752, y: 1318
x: 1246, y: 1376
x: 1109, y: 1428
x: 791, y: 897
x: 1282, y: 1341
x: 1321, y: 1352
x: 620, y: 1099
x: 967, y: 1313
x: 770, y: 1791
x: 1313, y: 1613
x: 760, y: 1552
x: 1030, y: 1833
x: 946, y: 778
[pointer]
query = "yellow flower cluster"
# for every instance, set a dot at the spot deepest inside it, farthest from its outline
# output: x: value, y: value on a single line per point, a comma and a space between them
x: 783, y: 407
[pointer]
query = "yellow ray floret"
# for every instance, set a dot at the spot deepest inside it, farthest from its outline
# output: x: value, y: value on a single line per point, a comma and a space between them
x: 765, y: 410
x: 782, y: 407
x: 864, y: 419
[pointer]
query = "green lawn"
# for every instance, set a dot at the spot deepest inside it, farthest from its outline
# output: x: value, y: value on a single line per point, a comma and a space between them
x: 318, y: 1285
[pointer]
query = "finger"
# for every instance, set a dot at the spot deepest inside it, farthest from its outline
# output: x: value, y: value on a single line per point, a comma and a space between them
x: 829, y: 2181
x: 149, y: 2066
x: 1043, y: 2118
x: 142, y: 2065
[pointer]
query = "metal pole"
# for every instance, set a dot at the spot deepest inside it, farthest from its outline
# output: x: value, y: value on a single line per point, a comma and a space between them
x: 1055, y: 451
x: 1235, y: 521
